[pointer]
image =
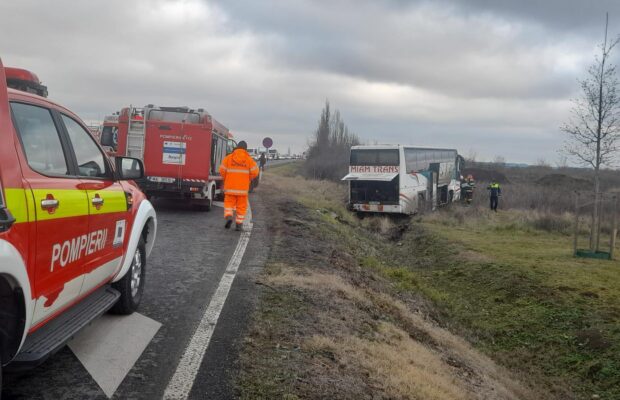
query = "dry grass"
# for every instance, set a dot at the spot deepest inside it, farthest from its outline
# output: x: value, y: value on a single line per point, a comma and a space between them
x: 405, y: 368
x: 382, y: 225
x: 319, y: 281
x: 409, y: 357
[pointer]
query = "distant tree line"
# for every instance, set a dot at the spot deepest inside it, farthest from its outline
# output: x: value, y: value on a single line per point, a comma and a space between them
x: 328, y: 153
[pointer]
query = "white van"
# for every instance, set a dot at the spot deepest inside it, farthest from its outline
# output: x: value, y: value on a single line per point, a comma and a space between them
x: 402, y: 179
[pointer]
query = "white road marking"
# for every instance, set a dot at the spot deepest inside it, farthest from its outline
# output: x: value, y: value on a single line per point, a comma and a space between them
x: 111, y: 345
x: 218, y: 204
x: 183, y: 379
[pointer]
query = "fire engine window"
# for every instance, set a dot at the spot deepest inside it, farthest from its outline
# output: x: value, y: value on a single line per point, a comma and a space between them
x: 214, y: 165
x: 90, y: 160
x: 223, y: 149
x: 40, y: 139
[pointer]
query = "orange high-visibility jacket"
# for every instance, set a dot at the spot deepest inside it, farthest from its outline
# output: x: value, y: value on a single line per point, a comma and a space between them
x: 238, y: 169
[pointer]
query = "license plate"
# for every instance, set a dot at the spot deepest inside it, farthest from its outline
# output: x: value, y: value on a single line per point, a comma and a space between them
x: 161, y: 179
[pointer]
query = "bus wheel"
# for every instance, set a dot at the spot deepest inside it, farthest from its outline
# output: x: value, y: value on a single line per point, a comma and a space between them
x: 421, y: 204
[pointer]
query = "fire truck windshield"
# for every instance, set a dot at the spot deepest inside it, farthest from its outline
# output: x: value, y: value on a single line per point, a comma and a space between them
x: 174, y: 116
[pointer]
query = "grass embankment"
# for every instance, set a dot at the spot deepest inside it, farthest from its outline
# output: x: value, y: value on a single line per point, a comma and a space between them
x: 335, y: 322
x: 524, y: 299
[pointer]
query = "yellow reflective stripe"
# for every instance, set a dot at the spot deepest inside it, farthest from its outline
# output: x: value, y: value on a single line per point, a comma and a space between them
x: 113, y: 201
x: 223, y: 167
x: 71, y: 203
x: 20, y: 205
x: 254, y: 168
x: 235, y: 191
x: 240, y: 171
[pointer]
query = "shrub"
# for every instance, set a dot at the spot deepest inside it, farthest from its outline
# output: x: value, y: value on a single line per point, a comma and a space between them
x: 552, y: 223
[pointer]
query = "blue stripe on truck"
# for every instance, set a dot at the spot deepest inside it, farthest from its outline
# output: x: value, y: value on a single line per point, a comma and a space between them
x: 175, y: 150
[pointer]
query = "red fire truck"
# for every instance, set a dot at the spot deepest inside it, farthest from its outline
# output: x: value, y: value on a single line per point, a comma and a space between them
x: 109, y: 134
x: 181, y: 149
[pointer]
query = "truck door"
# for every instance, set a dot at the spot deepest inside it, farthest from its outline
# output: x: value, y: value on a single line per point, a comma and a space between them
x: 107, y: 207
x: 60, y: 211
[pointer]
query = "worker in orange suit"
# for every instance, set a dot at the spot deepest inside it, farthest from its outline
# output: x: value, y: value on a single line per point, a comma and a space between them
x: 238, y: 169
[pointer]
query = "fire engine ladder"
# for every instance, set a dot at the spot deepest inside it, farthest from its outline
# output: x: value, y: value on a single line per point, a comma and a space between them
x: 135, y: 135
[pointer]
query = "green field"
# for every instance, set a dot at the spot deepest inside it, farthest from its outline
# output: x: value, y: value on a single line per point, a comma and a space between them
x: 521, y: 296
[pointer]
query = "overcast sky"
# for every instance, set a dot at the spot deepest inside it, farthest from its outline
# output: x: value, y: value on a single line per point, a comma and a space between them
x: 494, y: 77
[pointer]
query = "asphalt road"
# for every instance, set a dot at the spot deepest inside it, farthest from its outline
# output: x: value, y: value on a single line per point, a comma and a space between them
x: 190, y: 257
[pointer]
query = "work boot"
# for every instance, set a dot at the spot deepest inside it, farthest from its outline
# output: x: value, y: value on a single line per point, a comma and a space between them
x: 228, y: 224
x: 239, y: 227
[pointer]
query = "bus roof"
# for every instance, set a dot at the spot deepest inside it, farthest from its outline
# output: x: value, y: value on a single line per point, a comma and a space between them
x: 396, y: 146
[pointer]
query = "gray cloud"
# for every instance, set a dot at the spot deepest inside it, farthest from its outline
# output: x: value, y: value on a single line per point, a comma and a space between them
x: 494, y: 76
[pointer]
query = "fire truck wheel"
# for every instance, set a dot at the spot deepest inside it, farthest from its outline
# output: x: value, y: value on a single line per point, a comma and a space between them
x: 131, y: 285
x: 208, y: 204
x: 205, y: 205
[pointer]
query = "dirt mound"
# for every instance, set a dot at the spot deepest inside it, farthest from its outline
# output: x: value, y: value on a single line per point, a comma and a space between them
x: 485, y: 175
x: 564, y: 181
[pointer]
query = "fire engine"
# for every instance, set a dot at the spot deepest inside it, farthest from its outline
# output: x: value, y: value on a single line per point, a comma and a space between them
x: 75, y: 231
x: 109, y: 134
x: 181, y: 148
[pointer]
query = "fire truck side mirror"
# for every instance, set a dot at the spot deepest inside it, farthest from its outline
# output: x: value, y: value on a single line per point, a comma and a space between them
x: 128, y: 168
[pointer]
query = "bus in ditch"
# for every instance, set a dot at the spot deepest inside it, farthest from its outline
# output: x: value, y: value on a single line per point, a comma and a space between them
x: 402, y: 179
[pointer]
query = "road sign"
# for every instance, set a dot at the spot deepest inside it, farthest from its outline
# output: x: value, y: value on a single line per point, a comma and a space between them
x: 267, y: 142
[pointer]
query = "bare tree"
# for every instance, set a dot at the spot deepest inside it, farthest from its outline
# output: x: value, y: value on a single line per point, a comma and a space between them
x: 471, y: 156
x: 542, y: 163
x: 594, y: 128
x: 499, y: 161
x: 562, y: 161
x: 328, y: 152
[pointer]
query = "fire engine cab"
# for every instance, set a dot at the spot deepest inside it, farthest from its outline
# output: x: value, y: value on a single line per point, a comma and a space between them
x: 182, y: 150
x: 75, y: 231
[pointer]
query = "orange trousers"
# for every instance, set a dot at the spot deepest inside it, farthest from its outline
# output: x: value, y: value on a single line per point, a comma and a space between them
x: 234, y: 203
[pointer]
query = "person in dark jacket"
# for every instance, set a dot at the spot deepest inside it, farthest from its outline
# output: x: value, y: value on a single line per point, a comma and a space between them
x: 494, y: 192
x: 262, y: 161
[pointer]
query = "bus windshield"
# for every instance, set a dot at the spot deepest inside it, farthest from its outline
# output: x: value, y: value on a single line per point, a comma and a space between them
x: 374, y: 157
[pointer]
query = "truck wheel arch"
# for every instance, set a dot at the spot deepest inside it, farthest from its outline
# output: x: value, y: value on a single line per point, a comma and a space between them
x: 145, y: 227
x: 212, y: 190
x: 15, y: 303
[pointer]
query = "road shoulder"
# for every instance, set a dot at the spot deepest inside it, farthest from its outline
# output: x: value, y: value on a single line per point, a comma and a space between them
x: 215, y: 377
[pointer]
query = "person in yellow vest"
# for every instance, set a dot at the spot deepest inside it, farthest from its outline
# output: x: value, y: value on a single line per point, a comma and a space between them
x: 238, y: 170
x: 494, y: 192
